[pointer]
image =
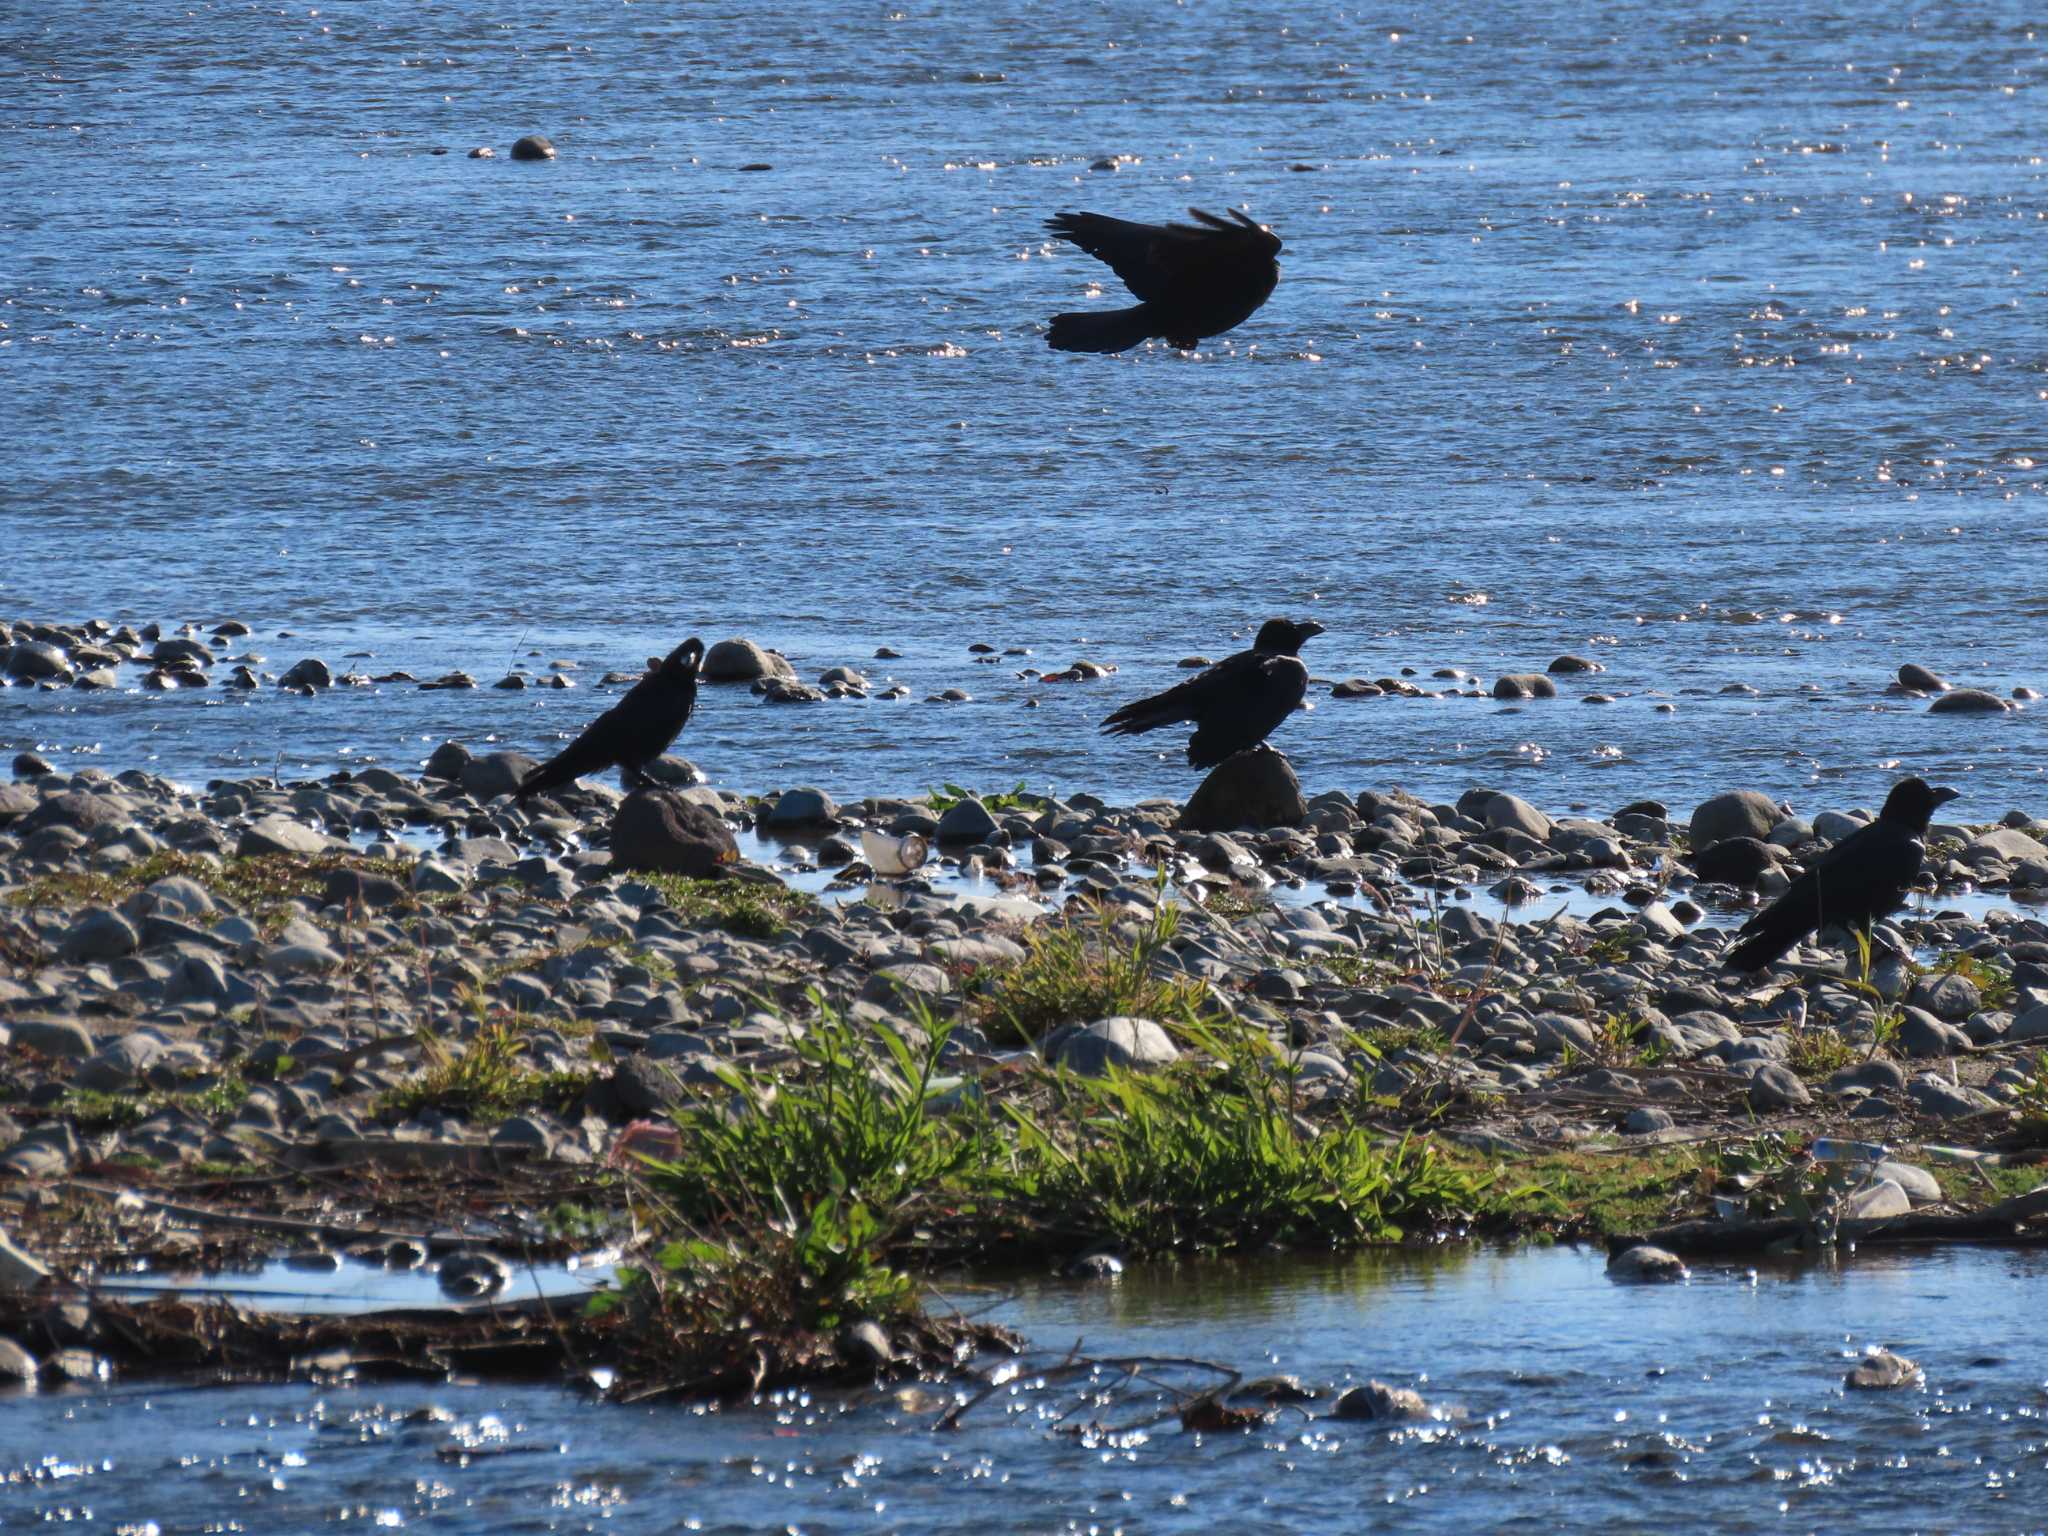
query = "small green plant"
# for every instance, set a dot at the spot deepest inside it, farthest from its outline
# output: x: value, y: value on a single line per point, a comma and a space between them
x: 1080, y: 970
x: 748, y: 908
x: 946, y: 796
x: 1215, y: 1158
x: 488, y: 1079
x: 1818, y: 1051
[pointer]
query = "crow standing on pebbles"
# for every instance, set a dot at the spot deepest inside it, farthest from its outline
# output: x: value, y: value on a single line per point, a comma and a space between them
x: 633, y: 732
x: 1190, y: 281
x: 1862, y: 878
x: 1236, y: 703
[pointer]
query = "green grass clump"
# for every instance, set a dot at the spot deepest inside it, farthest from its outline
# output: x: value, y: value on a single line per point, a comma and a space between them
x: 1818, y: 1051
x: 260, y: 886
x: 487, y: 1080
x: 946, y: 796
x: 751, y: 909
x: 1081, y: 970
x: 1213, y: 1159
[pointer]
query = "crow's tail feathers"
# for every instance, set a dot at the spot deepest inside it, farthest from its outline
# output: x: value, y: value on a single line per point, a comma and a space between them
x: 1110, y: 330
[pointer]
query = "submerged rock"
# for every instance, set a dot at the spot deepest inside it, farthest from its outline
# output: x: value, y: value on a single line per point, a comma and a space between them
x: 1968, y: 701
x: 1645, y: 1261
x: 1377, y: 1400
x: 1879, y: 1370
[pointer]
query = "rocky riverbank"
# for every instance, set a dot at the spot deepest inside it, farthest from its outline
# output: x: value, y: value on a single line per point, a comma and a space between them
x: 392, y: 982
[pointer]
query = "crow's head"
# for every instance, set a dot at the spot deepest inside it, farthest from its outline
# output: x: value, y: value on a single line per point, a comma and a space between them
x: 1913, y: 802
x: 1284, y: 637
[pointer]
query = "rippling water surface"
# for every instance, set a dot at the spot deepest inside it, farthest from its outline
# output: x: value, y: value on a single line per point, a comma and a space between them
x: 1712, y: 350
x: 1568, y: 1403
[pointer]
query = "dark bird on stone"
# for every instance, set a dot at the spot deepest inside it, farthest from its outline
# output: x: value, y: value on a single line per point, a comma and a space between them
x: 633, y: 732
x: 1191, y: 280
x: 1862, y: 878
x: 1236, y: 703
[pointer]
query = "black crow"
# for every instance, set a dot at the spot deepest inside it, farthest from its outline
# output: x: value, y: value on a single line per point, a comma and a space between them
x: 633, y: 732
x: 1862, y: 878
x: 1236, y: 703
x: 1190, y: 282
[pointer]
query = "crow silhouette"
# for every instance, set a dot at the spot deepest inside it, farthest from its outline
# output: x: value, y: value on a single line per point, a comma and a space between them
x: 1862, y: 878
x: 633, y: 732
x: 1235, y: 704
x: 1191, y: 280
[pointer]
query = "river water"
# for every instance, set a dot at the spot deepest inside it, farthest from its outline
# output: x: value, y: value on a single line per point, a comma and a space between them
x: 1711, y: 350
x: 1566, y: 1401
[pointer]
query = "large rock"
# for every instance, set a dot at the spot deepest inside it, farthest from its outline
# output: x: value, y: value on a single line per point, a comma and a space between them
x: 1735, y: 861
x: 659, y: 831
x: 98, y: 933
x: 65, y: 1039
x: 1968, y: 701
x: 1913, y: 675
x: 1253, y: 789
x: 310, y: 673
x: 1114, y: 1042
x: 280, y: 834
x: 495, y: 773
x: 1739, y: 813
x: 966, y: 821
x: 15, y: 803
x: 78, y: 810
x: 446, y: 762
x: 2001, y: 845
x: 1524, y: 685
x: 1517, y: 814
x: 39, y: 661
x: 742, y: 661
x: 803, y: 808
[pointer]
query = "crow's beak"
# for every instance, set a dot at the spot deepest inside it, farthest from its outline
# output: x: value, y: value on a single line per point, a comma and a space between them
x: 1309, y: 629
x: 1943, y: 795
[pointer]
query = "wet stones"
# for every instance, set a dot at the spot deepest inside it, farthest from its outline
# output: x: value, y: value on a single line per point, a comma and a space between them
x: 1567, y: 665
x: 533, y: 146
x: 312, y: 672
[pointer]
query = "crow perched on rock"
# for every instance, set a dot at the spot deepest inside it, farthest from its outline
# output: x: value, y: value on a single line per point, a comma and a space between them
x: 1190, y: 281
x: 1862, y: 878
x: 633, y: 732
x: 1236, y: 703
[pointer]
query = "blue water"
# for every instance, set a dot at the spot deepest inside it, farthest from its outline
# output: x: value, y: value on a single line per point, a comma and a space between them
x: 1566, y: 1402
x: 1713, y: 350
